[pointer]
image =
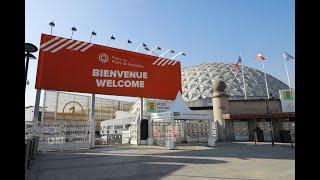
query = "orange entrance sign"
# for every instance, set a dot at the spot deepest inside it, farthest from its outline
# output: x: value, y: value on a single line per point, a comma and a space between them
x: 75, y: 66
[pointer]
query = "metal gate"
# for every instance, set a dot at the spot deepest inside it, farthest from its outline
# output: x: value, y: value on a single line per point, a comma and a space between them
x: 266, y: 128
x: 181, y: 131
x: 63, y: 136
x: 241, y: 130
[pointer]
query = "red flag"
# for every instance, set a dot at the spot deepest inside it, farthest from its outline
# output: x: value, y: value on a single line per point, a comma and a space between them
x: 260, y: 57
x: 235, y: 66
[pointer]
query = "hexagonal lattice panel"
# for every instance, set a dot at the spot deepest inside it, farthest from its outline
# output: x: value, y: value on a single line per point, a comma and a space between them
x: 197, y: 81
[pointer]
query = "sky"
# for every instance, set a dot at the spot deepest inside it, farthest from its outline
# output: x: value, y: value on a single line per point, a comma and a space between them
x: 206, y: 30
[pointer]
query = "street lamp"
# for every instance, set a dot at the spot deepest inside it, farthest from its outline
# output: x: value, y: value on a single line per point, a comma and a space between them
x: 111, y: 38
x: 92, y: 34
x: 73, y: 29
x: 180, y: 53
x: 28, y: 48
x: 126, y: 42
x: 271, y: 131
x: 143, y: 44
x: 155, y: 48
x: 169, y: 50
x: 51, y: 24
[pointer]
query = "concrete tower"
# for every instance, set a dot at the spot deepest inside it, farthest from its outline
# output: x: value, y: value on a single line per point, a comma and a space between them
x: 220, y: 105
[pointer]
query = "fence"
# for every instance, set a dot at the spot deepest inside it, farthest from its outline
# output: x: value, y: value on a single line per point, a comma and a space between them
x: 31, y: 148
x: 62, y: 135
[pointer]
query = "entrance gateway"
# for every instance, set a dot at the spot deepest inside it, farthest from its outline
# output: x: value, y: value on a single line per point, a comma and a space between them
x: 90, y: 68
x: 162, y: 121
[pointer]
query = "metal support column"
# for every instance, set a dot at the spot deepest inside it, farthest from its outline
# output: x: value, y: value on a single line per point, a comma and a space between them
x: 36, y: 111
x: 271, y: 127
x: 91, y: 122
x: 44, y: 105
x: 56, y: 107
x: 139, y: 122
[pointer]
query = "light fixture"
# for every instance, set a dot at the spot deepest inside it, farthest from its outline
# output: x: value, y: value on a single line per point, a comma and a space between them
x: 155, y: 48
x: 111, y: 38
x: 92, y: 34
x: 180, y: 53
x: 126, y: 42
x: 51, y: 24
x: 29, y: 48
x: 143, y: 44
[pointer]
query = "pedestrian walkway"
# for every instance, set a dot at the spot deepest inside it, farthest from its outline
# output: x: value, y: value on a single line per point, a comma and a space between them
x: 234, y: 161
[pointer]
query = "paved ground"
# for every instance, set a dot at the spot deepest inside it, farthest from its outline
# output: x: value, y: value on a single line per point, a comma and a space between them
x: 226, y: 161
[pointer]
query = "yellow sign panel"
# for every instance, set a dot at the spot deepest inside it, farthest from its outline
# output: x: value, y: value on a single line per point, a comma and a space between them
x: 152, y: 107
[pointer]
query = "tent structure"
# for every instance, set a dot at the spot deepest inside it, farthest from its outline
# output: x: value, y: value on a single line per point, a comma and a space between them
x: 179, y: 112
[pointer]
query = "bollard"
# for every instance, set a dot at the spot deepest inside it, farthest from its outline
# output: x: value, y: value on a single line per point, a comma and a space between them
x: 255, y: 138
x: 27, y: 151
x: 170, y: 144
x: 35, y: 147
x: 31, y: 149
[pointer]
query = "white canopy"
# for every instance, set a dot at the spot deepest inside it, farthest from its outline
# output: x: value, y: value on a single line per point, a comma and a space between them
x: 178, y: 105
x: 179, y: 110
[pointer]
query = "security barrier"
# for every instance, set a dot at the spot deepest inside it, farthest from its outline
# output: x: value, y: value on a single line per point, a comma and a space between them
x: 31, y: 149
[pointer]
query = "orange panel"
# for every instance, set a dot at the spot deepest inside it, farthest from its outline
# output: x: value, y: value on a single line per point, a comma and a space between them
x: 71, y: 65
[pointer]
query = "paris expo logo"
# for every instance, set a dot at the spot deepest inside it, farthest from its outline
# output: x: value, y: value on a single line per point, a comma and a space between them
x: 103, y: 58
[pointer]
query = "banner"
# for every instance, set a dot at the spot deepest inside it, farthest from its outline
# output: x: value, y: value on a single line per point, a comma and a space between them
x: 71, y: 65
x: 153, y: 106
x: 287, y: 98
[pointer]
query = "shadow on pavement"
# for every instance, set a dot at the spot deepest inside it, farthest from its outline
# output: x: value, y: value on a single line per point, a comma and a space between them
x: 62, y: 165
x: 241, y: 151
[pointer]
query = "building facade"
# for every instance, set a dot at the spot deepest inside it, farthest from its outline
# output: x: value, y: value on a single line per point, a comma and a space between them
x: 71, y: 108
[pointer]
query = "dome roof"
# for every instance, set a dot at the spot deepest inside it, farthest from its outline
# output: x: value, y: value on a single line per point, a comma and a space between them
x: 198, y: 81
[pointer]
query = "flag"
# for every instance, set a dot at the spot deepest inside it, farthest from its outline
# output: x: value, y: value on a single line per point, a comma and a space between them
x: 287, y: 56
x: 236, y: 65
x: 260, y: 57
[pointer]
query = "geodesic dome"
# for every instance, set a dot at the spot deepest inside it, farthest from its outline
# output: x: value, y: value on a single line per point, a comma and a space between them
x: 198, y: 80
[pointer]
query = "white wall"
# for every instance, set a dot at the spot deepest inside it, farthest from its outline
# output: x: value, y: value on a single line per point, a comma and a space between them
x: 29, y: 114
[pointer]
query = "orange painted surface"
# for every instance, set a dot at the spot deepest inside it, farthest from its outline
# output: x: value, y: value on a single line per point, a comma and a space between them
x: 75, y: 66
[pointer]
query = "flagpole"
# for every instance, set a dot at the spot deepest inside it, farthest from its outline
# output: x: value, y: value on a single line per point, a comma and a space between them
x: 244, y: 82
x: 285, y: 63
x: 265, y: 79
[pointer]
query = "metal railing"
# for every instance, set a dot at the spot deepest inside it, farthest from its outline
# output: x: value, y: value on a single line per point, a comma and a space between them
x: 31, y: 149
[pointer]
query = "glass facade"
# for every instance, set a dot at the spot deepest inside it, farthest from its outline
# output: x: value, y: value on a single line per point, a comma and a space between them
x: 62, y: 106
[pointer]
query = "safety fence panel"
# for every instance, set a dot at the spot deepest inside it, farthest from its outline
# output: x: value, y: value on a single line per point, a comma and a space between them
x: 63, y: 135
x: 181, y: 131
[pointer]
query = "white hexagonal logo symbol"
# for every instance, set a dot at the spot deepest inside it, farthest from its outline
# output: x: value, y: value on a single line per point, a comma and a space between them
x: 103, y: 58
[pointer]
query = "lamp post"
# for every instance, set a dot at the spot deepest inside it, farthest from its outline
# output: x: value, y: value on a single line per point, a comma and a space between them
x: 143, y: 44
x: 51, y: 24
x: 111, y: 38
x: 28, y: 48
x: 271, y: 131
x: 126, y: 42
x: 169, y: 50
x: 73, y: 29
x: 180, y: 53
x: 155, y: 48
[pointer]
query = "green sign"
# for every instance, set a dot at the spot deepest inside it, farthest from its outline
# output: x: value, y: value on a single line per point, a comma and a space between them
x: 287, y: 95
x: 152, y: 107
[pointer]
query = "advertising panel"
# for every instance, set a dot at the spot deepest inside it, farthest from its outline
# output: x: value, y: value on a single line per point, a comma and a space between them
x: 154, y: 106
x: 75, y: 66
x: 287, y: 98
